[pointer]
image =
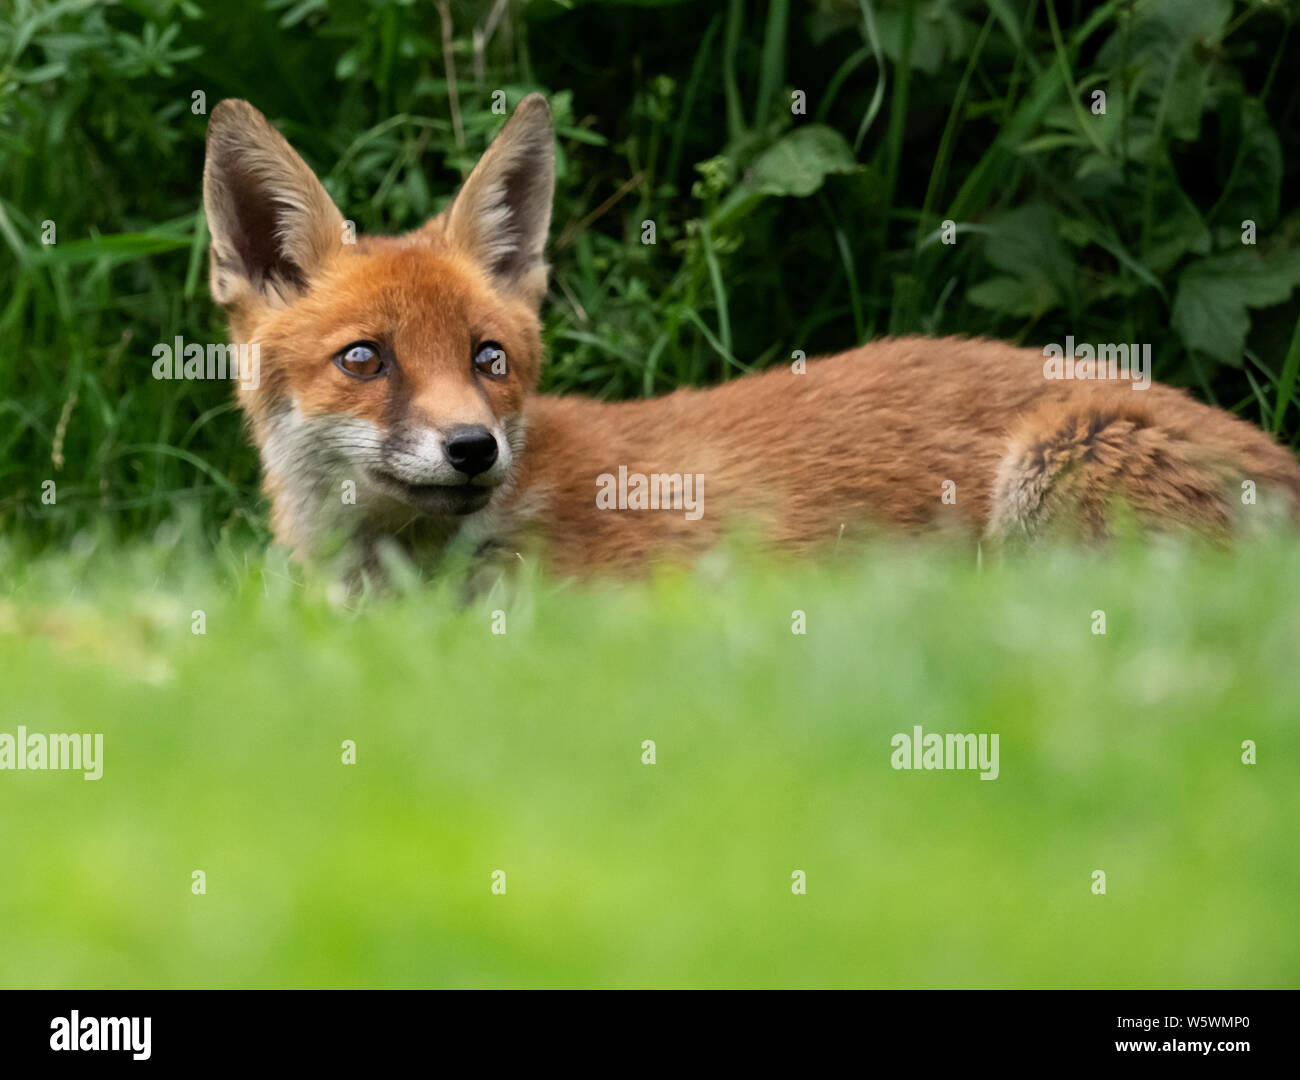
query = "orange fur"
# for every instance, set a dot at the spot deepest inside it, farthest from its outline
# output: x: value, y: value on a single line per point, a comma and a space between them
x: 868, y: 437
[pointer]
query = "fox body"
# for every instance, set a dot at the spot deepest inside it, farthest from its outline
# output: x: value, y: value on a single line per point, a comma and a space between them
x: 397, y: 402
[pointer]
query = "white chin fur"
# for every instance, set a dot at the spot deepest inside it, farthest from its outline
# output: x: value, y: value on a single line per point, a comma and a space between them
x: 312, y: 457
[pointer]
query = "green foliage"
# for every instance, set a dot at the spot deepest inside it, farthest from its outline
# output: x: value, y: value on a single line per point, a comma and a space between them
x: 1214, y: 294
x: 782, y: 222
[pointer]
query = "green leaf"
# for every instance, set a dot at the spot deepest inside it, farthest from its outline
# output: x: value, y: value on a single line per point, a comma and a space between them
x: 1253, y: 182
x: 1162, y: 48
x: 1011, y: 296
x: 798, y: 163
x: 1025, y: 245
x: 582, y: 135
x: 122, y: 247
x: 1210, y: 311
x: 939, y: 35
x: 1177, y: 227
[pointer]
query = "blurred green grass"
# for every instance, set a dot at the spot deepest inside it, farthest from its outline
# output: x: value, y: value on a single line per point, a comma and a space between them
x: 522, y: 752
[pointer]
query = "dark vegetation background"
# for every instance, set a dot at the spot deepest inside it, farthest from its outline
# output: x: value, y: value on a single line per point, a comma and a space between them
x: 775, y: 231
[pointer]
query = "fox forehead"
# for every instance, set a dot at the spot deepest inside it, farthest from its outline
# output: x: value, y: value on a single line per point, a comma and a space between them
x: 428, y: 309
x: 427, y: 301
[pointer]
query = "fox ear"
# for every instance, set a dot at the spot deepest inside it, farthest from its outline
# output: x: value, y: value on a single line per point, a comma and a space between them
x: 502, y: 213
x: 272, y: 224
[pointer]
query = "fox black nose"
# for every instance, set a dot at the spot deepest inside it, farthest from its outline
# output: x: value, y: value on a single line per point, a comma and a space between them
x: 471, y: 449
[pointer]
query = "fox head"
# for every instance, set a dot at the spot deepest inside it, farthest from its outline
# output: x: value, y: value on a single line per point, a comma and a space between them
x: 393, y: 370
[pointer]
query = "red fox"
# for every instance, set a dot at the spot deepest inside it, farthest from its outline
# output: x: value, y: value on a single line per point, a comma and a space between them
x: 396, y: 401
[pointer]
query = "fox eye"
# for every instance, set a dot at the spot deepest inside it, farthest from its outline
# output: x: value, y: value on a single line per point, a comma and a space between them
x: 361, y: 360
x: 490, y: 360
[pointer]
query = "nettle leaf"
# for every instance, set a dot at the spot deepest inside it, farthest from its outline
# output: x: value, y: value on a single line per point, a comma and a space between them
x: 1012, y: 296
x: 1256, y: 183
x: 798, y: 163
x: 1184, y: 99
x: 1203, y: 21
x: 1210, y: 311
x: 939, y: 34
x: 1159, y: 50
x: 1177, y: 227
x: 1026, y: 246
x: 1160, y: 29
